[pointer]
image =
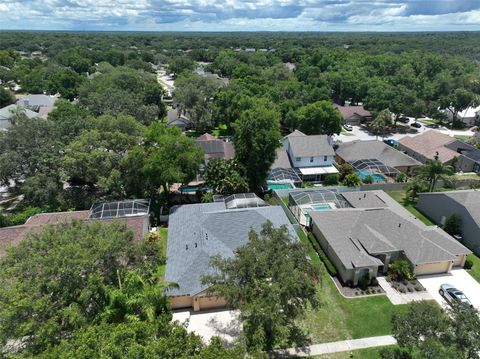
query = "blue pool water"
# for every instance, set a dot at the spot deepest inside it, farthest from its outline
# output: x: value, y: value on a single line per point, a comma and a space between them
x: 279, y: 186
x: 321, y: 207
x: 377, y: 177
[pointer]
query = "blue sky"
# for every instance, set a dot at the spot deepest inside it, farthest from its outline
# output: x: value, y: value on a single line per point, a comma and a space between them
x: 240, y: 15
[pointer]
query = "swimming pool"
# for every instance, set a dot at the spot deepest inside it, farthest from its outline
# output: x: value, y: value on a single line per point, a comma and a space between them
x: 377, y: 177
x: 191, y: 189
x: 279, y: 186
x: 321, y: 207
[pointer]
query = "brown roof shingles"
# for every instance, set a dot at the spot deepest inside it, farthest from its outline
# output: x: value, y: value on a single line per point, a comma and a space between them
x: 12, y: 236
x: 429, y: 144
x: 349, y: 111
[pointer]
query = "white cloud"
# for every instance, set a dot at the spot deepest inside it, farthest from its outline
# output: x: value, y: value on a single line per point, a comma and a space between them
x: 210, y: 15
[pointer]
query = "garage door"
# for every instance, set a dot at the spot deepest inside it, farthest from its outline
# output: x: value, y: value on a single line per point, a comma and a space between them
x: 432, y: 268
x: 458, y: 261
x: 211, y: 302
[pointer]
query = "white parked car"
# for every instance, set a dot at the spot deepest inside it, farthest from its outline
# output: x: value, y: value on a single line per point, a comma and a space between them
x: 450, y: 293
x: 348, y: 127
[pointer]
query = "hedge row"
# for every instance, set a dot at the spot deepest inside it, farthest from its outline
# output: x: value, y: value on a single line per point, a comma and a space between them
x: 321, y: 254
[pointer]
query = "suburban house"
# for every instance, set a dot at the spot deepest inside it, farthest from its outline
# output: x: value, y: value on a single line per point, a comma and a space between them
x: 41, y: 104
x: 7, y: 112
x: 362, y: 150
x: 438, y: 206
x: 363, y: 231
x: 470, y: 116
x: 214, y: 147
x: 175, y: 118
x: 354, y: 115
x: 197, y: 232
x: 311, y: 157
x: 134, y: 214
x: 449, y: 150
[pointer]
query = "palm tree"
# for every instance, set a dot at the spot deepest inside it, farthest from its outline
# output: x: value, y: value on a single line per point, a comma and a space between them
x: 135, y: 299
x: 433, y: 170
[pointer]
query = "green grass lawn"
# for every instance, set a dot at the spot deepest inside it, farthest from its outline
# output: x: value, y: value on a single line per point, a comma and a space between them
x: 462, y: 137
x: 475, y: 271
x: 163, y: 234
x: 339, y: 318
x: 400, y: 197
x: 369, y: 353
x: 222, y: 130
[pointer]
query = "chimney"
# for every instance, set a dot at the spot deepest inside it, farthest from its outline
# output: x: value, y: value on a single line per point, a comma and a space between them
x: 186, y: 247
x: 364, y: 195
x: 399, y: 225
x: 195, y: 244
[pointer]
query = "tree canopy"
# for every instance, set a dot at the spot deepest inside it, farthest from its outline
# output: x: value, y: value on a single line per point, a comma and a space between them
x: 271, y: 282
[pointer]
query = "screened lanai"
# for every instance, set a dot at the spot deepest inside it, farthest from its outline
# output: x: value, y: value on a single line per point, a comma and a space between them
x: 303, y: 202
x: 119, y: 209
x: 370, y: 167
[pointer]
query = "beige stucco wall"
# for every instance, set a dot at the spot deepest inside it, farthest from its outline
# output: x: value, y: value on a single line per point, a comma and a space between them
x: 432, y: 268
x: 181, y: 302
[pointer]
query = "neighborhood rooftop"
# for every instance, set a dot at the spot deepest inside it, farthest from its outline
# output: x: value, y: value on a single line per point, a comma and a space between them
x: 198, y: 232
x: 360, y: 150
x: 430, y: 144
x: 357, y: 235
x: 304, y: 146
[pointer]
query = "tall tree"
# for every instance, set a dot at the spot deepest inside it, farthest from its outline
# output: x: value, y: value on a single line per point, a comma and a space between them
x: 257, y: 136
x: 6, y: 97
x: 225, y: 176
x: 433, y: 170
x: 270, y: 281
x: 381, y: 122
x: 169, y: 157
x: 319, y: 118
x: 56, y: 281
x: 427, y: 331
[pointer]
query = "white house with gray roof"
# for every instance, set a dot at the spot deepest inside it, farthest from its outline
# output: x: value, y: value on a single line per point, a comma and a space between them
x: 438, y: 206
x: 311, y: 156
x: 196, y: 233
x: 373, y: 232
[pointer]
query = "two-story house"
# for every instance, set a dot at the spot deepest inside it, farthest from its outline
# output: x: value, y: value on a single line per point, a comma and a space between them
x: 312, y: 157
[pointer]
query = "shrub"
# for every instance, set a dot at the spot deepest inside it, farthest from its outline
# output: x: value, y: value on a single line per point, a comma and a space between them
x: 410, y: 289
x: 321, y: 254
x: 331, y: 179
x: 418, y: 287
x: 368, y: 180
x: 364, y: 282
x: 352, y: 180
x: 453, y: 224
x: 468, y: 264
x: 374, y: 282
x: 400, y: 270
x: 19, y: 217
x: 402, y: 290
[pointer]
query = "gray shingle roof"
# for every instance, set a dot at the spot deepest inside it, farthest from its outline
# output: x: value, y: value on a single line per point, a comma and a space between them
x: 310, y: 146
x: 8, y: 111
x: 208, y: 230
x: 364, y: 199
x: 281, y: 160
x: 469, y: 199
x: 360, y: 233
x: 359, y: 150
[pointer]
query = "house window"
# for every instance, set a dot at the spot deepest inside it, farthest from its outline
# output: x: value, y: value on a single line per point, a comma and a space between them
x: 298, y: 159
x: 324, y: 158
x: 311, y: 159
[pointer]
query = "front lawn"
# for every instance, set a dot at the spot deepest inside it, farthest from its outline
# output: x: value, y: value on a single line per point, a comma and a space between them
x: 475, y: 271
x: 400, y: 197
x: 339, y: 318
x: 369, y: 353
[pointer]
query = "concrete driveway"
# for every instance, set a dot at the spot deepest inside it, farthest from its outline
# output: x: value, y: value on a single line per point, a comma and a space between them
x: 459, y: 278
x: 222, y: 323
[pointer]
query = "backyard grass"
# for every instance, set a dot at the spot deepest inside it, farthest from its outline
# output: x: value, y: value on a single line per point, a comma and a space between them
x: 462, y: 137
x: 400, y: 197
x: 369, y: 353
x: 163, y: 234
x: 475, y: 271
x: 339, y: 318
x: 222, y: 130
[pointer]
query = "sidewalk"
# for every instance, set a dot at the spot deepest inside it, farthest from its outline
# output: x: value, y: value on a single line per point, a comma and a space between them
x: 401, y: 298
x: 335, y: 347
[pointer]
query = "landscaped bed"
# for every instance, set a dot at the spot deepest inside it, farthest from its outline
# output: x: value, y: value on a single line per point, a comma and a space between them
x: 340, y: 318
x: 357, y: 292
x: 406, y: 286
